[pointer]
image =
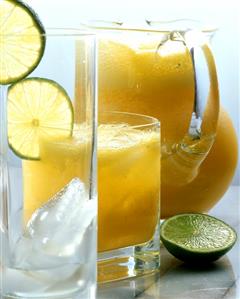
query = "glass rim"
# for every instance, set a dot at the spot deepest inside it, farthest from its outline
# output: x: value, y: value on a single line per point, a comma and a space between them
x: 151, y: 26
x: 67, y: 31
x: 151, y: 121
x: 57, y: 32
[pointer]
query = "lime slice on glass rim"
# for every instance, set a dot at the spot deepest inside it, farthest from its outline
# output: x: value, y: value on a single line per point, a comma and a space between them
x: 22, y: 41
x: 197, y: 238
x: 37, y: 107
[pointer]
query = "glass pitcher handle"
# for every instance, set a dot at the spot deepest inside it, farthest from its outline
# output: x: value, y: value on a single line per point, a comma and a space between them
x: 182, y: 163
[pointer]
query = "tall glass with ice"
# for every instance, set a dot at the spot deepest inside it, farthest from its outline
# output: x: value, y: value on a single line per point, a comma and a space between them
x: 47, y: 165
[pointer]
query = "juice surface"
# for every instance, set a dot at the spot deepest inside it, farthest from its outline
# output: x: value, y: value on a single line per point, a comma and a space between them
x: 128, y: 180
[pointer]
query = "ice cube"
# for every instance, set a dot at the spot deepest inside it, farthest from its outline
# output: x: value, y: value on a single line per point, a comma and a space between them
x: 61, y: 209
x: 55, y: 234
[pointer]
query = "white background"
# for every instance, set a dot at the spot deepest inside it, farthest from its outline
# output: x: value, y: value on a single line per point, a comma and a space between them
x: 223, y: 14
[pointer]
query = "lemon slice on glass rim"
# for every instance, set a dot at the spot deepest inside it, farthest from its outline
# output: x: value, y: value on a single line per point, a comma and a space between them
x: 37, y: 108
x: 22, y: 41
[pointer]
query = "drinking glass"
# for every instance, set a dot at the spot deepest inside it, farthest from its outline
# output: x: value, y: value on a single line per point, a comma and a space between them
x: 129, y: 195
x: 48, y: 174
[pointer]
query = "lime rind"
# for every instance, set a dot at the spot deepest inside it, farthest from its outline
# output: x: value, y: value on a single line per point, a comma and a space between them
x: 13, y: 123
x: 36, y: 25
x: 195, y: 255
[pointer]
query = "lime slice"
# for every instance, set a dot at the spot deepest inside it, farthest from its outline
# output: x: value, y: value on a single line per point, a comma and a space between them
x: 37, y: 108
x: 197, y: 238
x: 22, y: 41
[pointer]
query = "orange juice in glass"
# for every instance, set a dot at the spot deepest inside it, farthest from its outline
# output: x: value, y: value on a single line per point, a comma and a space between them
x: 129, y: 178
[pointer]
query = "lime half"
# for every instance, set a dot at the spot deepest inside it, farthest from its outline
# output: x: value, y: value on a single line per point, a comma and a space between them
x: 37, y: 108
x: 22, y: 41
x: 197, y: 238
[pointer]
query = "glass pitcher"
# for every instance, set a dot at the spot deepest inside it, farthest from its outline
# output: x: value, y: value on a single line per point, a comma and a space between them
x: 167, y: 71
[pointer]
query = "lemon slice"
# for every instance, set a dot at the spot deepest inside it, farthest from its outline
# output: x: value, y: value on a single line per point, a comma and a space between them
x: 37, y: 108
x: 22, y: 41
